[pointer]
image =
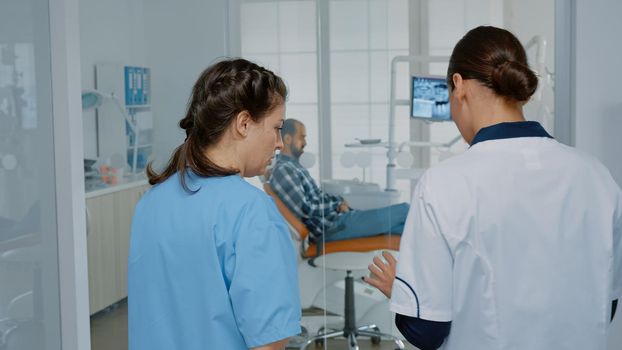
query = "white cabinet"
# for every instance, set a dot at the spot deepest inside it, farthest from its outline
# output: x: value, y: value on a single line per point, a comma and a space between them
x: 110, y: 219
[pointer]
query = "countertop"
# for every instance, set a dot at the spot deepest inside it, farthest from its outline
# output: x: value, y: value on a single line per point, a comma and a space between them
x: 97, y: 188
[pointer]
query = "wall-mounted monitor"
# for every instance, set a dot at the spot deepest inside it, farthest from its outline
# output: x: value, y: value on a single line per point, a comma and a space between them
x: 429, y: 98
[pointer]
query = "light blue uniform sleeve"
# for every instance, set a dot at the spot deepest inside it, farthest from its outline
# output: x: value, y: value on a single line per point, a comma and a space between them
x: 264, y: 286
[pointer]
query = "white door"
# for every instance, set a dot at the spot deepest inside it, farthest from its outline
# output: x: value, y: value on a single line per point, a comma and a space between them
x: 43, y: 283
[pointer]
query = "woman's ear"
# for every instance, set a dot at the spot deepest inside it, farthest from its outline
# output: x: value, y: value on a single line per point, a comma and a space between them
x: 242, y: 123
x: 459, y: 90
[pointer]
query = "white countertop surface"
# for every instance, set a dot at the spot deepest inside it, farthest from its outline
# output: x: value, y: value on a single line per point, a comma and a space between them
x: 100, y: 189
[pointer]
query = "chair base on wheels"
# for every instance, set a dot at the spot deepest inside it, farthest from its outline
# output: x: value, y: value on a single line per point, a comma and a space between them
x: 370, y: 331
x: 342, y: 255
x: 350, y: 331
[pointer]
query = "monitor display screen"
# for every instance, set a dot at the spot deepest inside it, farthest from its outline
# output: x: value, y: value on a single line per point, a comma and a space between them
x: 430, y: 98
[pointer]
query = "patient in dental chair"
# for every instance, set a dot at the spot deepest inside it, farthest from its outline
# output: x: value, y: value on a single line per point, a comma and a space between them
x: 325, y: 215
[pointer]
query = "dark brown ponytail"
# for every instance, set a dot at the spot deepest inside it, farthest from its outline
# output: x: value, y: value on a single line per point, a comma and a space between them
x: 222, y: 91
x: 495, y: 58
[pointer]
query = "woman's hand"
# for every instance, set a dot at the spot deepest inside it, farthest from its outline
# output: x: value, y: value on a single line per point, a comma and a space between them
x: 382, y: 274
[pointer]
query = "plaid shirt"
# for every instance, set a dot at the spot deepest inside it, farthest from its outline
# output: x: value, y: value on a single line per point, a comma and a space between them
x: 297, y: 189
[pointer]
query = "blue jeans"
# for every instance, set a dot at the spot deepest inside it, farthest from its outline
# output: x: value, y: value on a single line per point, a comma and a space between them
x: 372, y: 222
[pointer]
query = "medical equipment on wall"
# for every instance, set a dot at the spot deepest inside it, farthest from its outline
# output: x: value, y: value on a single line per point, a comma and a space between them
x: 392, y: 146
x: 92, y: 99
x: 128, y: 88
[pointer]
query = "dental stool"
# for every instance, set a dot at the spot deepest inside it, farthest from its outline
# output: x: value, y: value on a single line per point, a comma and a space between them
x: 346, y: 255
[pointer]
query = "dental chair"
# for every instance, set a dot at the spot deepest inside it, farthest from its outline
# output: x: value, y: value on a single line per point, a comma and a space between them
x: 346, y: 255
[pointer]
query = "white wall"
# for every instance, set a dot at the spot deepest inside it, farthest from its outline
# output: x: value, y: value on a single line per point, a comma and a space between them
x: 177, y: 40
x: 526, y: 19
x: 598, y: 101
x: 181, y: 41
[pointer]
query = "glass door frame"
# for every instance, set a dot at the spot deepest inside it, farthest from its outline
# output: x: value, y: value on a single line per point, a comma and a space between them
x: 69, y: 174
x: 565, y: 58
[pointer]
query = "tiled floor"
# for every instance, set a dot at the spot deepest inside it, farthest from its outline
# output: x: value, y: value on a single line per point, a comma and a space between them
x: 109, y: 332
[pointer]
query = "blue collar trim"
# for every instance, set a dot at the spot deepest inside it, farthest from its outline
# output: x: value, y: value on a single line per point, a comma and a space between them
x: 509, y: 130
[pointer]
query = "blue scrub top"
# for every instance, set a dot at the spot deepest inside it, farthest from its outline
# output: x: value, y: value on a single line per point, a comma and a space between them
x: 211, y: 270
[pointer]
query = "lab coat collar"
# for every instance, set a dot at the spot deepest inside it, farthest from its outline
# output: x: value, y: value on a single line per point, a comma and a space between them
x: 510, y: 130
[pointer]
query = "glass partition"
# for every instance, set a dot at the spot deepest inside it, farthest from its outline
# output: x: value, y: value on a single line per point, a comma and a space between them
x: 342, y: 46
x: 29, y: 276
x: 363, y: 38
x: 281, y: 35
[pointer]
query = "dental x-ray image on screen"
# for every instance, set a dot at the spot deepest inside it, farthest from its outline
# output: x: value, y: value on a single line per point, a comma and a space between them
x: 430, y: 98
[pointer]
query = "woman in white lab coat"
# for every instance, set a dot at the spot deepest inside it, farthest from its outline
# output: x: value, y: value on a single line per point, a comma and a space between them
x: 514, y: 244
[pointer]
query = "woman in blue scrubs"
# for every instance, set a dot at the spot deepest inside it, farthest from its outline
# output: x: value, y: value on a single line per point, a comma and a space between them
x: 211, y: 263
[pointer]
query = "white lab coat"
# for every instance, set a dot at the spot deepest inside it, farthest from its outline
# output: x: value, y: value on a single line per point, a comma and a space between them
x: 517, y: 242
